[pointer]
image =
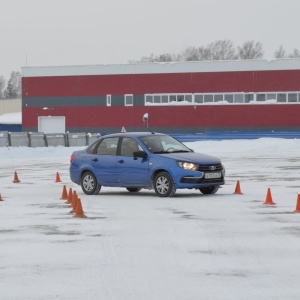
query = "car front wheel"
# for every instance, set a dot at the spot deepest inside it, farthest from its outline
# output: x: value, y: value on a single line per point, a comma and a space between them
x: 164, y: 185
x: 209, y: 189
x: 89, y: 184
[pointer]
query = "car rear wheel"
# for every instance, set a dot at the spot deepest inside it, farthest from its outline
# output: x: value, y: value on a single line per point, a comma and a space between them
x: 89, y: 184
x: 209, y: 189
x: 133, y: 189
x: 164, y: 185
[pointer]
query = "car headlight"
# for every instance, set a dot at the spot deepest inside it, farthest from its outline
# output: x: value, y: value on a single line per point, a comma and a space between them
x: 187, y: 165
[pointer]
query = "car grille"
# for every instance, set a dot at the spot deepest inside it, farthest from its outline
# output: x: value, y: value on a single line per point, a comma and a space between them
x: 219, y: 181
x: 212, y: 180
x: 206, y: 168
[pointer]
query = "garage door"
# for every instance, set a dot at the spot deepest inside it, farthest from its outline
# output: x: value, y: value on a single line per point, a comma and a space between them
x: 52, y: 124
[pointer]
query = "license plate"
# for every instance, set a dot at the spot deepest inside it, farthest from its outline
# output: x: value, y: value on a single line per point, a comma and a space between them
x: 212, y: 175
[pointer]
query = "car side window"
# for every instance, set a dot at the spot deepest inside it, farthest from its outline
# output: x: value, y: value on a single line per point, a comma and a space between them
x: 108, y: 146
x: 129, y: 146
x: 91, y: 149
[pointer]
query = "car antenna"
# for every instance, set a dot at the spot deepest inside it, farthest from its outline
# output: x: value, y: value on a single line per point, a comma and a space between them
x: 146, y: 122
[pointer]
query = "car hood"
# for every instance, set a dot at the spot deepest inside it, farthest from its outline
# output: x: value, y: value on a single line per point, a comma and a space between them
x: 194, y: 157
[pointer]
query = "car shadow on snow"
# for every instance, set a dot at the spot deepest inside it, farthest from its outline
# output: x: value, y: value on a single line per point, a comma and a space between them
x: 151, y: 194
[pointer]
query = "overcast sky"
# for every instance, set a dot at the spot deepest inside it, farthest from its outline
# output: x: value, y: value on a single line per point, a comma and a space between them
x: 76, y: 32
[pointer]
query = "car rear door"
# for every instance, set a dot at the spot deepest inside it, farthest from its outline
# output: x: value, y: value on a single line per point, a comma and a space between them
x: 104, y: 161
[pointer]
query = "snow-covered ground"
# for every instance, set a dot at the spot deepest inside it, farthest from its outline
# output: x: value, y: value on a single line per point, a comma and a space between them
x: 139, y: 246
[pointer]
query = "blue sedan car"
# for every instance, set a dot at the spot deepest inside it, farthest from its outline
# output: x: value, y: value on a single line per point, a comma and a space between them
x: 148, y: 160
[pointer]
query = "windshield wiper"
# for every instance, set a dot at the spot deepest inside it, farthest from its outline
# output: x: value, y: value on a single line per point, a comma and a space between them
x: 160, y: 152
x: 180, y: 151
x: 169, y: 152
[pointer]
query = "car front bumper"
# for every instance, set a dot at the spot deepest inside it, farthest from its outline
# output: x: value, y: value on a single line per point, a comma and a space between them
x: 201, y: 181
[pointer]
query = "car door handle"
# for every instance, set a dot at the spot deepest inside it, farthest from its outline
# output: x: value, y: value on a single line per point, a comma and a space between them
x: 95, y: 159
x: 121, y: 161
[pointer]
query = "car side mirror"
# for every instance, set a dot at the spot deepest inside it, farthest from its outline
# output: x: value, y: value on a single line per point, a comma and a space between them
x: 141, y: 154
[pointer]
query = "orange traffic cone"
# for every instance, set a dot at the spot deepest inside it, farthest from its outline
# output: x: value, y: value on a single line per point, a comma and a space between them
x: 74, y: 198
x: 57, y: 178
x: 16, y: 179
x: 297, y: 210
x: 79, y: 212
x: 1, y: 199
x: 238, y: 188
x: 269, y: 200
x: 70, y: 196
x: 74, y: 204
x: 64, y: 195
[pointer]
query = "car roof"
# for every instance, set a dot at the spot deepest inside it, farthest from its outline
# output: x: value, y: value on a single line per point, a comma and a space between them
x: 133, y: 134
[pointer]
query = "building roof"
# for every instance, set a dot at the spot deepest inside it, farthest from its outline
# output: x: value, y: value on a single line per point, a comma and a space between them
x: 160, y: 68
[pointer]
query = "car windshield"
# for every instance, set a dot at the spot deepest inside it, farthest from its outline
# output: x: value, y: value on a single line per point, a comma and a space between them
x: 163, y: 144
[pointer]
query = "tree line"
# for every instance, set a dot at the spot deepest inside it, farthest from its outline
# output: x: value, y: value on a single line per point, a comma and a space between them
x: 219, y: 50
x: 11, y: 90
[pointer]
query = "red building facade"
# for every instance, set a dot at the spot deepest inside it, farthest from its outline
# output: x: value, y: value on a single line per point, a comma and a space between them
x: 183, y: 97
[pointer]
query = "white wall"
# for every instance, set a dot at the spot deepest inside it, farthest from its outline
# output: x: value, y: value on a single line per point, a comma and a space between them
x: 10, y: 105
x: 52, y: 124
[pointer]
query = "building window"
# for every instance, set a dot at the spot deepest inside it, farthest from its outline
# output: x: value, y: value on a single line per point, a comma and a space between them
x: 108, y: 100
x: 218, y: 97
x: 128, y: 100
x: 149, y: 98
x: 168, y: 98
x: 228, y: 98
x: 208, y: 98
x: 172, y: 98
x: 198, y: 98
x: 180, y: 98
x: 156, y: 99
x: 249, y: 98
x: 188, y: 98
x: 261, y: 97
x: 281, y: 97
x: 292, y: 97
x: 271, y: 97
x: 164, y: 99
x: 238, y: 98
x: 191, y: 99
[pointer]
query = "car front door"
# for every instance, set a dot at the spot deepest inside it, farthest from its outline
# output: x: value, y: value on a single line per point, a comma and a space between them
x: 132, y: 171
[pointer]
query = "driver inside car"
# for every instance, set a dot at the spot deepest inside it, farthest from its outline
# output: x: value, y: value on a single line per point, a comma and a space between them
x: 155, y: 146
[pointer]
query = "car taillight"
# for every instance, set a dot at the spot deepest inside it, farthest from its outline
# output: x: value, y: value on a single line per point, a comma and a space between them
x: 72, y: 158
